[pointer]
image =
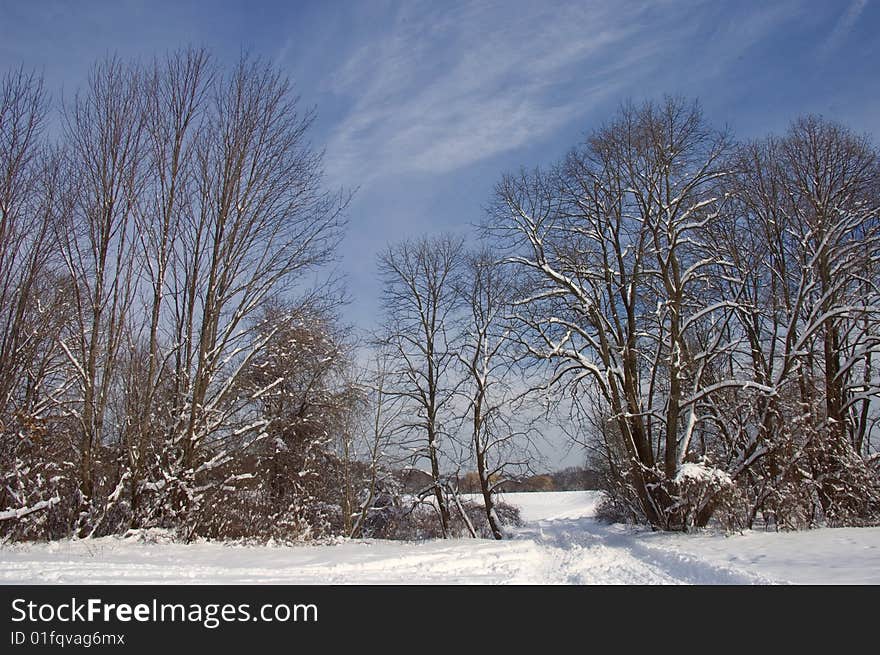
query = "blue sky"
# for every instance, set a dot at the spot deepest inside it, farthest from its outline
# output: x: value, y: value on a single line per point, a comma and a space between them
x: 423, y: 105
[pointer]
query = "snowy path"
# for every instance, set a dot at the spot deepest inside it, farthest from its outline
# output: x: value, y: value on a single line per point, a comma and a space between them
x: 584, y: 552
x: 560, y: 544
x: 576, y: 549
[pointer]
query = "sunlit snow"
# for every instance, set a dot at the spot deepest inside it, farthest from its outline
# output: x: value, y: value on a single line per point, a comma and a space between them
x: 561, y: 543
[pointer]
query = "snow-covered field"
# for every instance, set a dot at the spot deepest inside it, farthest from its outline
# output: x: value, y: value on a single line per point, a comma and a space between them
x: 560, y: 544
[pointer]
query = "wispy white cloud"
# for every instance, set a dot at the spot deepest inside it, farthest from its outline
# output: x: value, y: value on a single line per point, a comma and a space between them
x: 438, y: 88
x: 843, y: 26
x: 448, y: 88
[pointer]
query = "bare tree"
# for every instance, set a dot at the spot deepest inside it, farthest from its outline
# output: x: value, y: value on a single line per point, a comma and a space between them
x: 419, y: 302
x: 613, y: 241
x: 182, y: 201
x: 33, y: 294
x: 25, y: 245
x: 299, y: 388
x: 369, y: 442
x: 103, y: 129
x: 259, y: 222
x: 174, y: 102
x: 494, y: 385
x: 803, y: 230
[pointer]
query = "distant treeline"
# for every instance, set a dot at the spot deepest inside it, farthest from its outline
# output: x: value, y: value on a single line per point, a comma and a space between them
x: 572, y: 478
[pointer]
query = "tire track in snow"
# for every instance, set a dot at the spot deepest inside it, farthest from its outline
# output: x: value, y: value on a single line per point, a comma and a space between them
x: 584, y: 551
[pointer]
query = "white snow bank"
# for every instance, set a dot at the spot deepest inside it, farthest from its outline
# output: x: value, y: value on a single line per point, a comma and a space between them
x: 823, y: 556
x: 552, y: 505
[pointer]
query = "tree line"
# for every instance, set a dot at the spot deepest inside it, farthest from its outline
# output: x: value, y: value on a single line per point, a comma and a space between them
x: 710, y: 310
x: 153, y: 260
x: 700, y: 313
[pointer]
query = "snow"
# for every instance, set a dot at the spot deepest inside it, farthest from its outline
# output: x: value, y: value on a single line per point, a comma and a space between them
x: 550, y: 505
x: 702, y: 473
x: 823, y: 556
x: 561, y: 543
x: 24, y: 511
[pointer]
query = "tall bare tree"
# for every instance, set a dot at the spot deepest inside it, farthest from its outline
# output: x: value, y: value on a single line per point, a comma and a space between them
x: 493, y: 381
x: 33, y: 294
x: 104, y: 131
x: 613, y: 242
x: 183, y: 202
x: 259, y: 222
x: 419, y: 302
x: 803, y: 232
x: 174, y: 102
x: 28, y: 185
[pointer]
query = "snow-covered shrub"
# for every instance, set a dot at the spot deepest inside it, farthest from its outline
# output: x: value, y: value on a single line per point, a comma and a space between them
x: 809, y: 475
x: 610, y: 510
x: 699, y: 490
x: 509, y: 516
x: 419, y: 521
x: 848, y: 490
x: 39, y: 498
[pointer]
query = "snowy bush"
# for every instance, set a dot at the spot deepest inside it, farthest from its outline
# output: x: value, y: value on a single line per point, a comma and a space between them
x: 701, y: 490
x: 419, y: 521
